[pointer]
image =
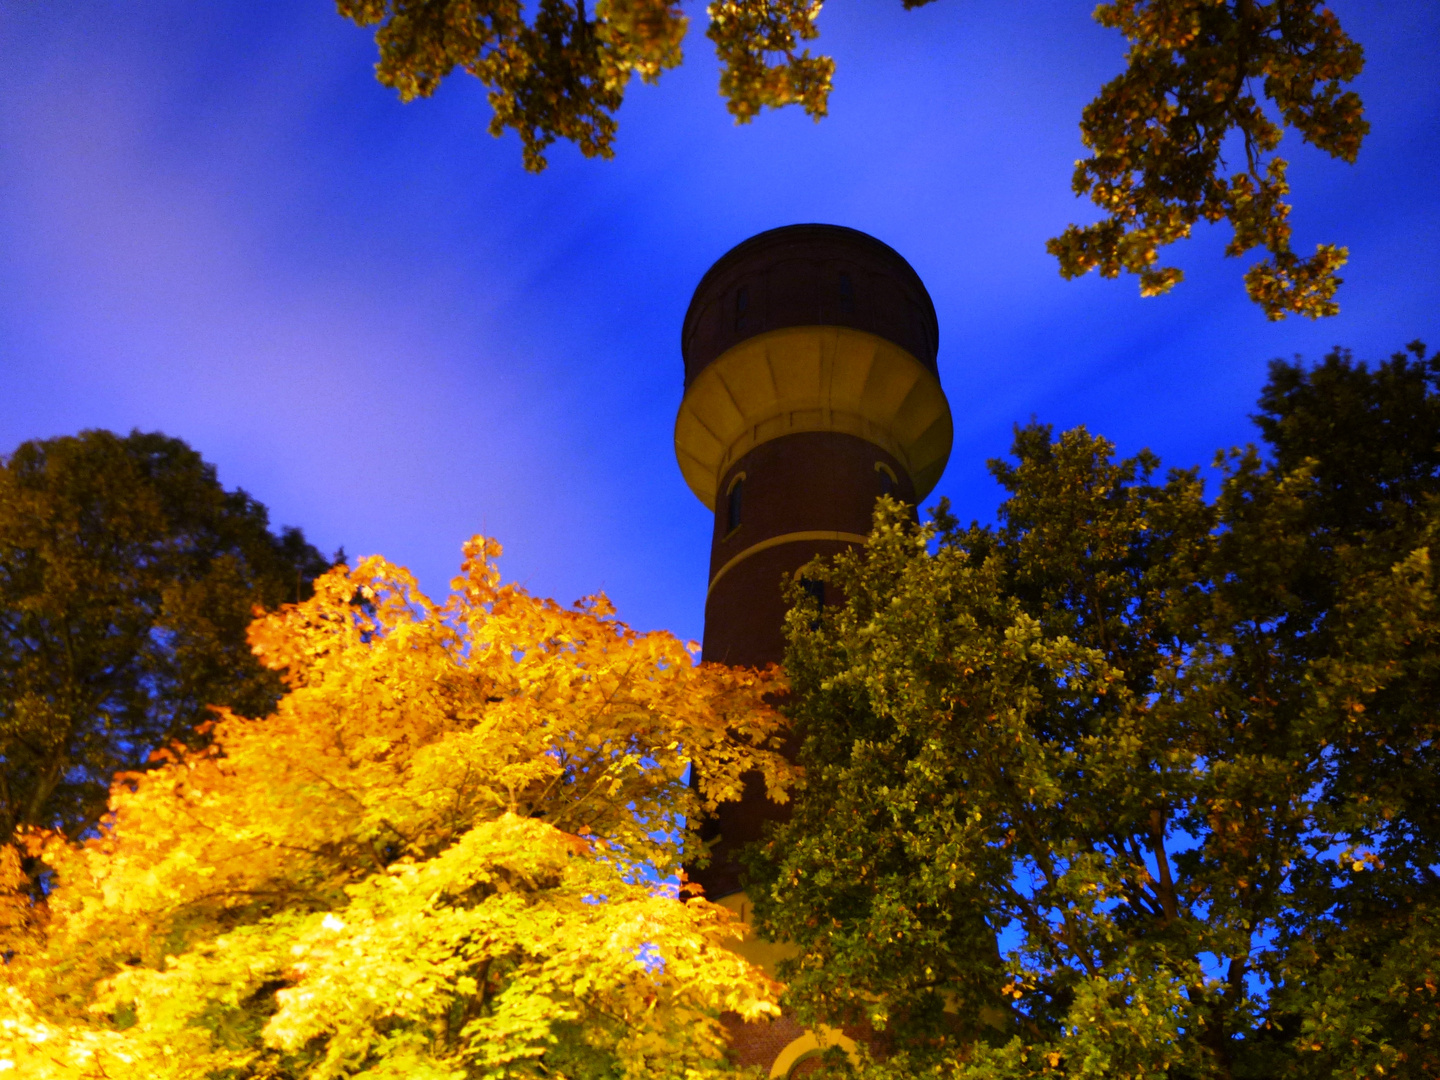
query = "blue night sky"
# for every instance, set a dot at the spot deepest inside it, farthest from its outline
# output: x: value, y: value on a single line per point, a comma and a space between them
x: 215, y: 223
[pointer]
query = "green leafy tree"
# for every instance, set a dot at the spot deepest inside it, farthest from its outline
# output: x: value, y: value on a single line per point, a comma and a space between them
x: 1135, y: 782
x: 128, y: 576
x: 1200, y: 75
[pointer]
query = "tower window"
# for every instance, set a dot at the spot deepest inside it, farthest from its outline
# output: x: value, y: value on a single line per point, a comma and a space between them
x: 847, y: 292
x: 742, y: 302
x: 732, y: 504
x: 815, y: 589
x: 889, y: 485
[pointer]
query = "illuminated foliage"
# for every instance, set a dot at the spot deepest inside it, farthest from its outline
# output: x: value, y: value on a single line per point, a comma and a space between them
x: 1136, y: 783
x: 1158, y: 133
x: 429, y: 862
x: 563, y: 73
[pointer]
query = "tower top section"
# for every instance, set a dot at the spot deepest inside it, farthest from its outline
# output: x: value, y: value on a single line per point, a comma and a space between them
x: 806, y: 330
x: 808, y: 275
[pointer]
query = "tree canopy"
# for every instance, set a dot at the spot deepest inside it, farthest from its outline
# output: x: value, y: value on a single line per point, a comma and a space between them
x: 429, y: 862
x: 128, y: 575
x: 1202, y: 78
x: 1135, y: 782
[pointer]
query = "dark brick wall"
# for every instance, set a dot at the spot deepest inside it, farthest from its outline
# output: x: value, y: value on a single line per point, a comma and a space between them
x: 799, y: 483
x: 810, y: 482
x: 793, y: 277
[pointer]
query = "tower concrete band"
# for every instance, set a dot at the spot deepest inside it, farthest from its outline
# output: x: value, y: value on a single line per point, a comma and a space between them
x: 810, y: 390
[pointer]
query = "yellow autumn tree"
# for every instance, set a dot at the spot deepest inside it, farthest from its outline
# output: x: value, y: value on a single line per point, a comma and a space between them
x: 436, y: 859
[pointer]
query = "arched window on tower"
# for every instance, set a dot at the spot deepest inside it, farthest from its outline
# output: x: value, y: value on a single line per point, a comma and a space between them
x: 807, y: 1049
x: 742, y: 303
x: 816, y: 591
x: 889, y: 483
x: 847, y: 292
x: 733, y: 503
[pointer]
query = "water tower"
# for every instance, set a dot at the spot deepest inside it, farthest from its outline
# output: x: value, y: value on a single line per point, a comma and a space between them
x: 810, y: 390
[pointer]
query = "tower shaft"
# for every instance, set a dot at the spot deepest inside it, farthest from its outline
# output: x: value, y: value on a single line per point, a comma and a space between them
x: 810, y: 391
x: 801, y: 495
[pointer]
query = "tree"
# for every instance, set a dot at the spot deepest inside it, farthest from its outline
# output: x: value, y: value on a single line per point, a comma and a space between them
x: 428, y: 862
x: 1198, y: 74
x: 1135, y: 783
x: 127, y: 578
